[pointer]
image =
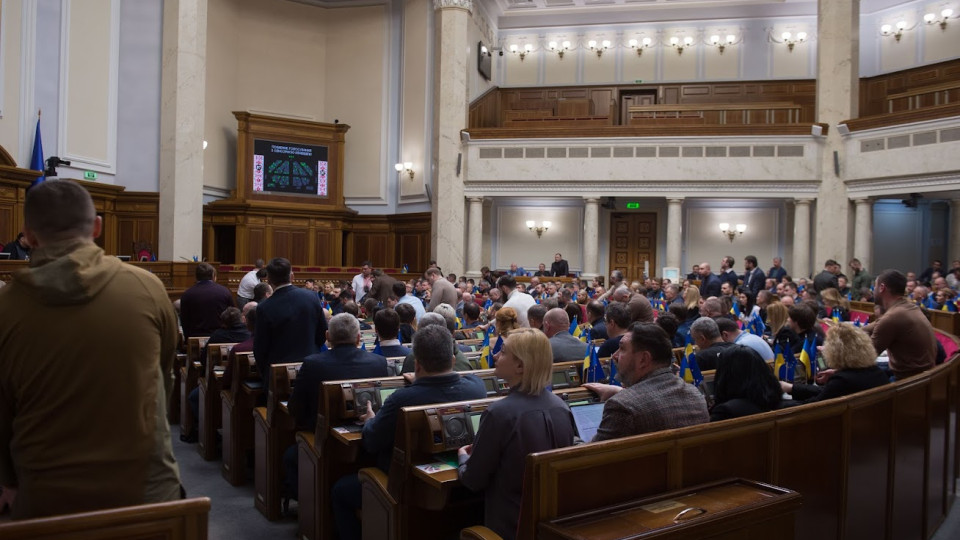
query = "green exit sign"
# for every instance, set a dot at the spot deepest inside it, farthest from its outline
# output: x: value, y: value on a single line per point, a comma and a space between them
x: 89, y: 175
x: 633, y: 205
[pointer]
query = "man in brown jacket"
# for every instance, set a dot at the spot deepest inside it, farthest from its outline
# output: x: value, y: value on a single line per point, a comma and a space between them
x: 87, y: 344
x: 902, y: 329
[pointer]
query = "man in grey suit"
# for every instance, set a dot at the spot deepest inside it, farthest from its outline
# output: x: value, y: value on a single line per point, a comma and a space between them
x: 441, y: 290
x: 566, y: 348
x: 652, y: 397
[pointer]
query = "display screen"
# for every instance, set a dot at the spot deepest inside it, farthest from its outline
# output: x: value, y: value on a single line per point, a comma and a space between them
x: 475, y: 421
x: 559, y: 377
x: 490, y: 384
x: 385, y: 393
x: 587, y: 418
x: 289, y: 168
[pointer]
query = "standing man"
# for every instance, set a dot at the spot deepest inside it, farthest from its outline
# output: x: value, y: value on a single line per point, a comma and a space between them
x: 777, y: 271
x: 247, y: 283
x: 202, y: 304
x: 709, y: 282
x: 290, y: 324
x: 363, y: 281
x: 516, y: 299
x: 753, y: 278
x: 861, y: 279
x: 728, y: 274
x: 85, y: 370
x: 382, y: 286
x: 559, y: 268
x: 442, y: 291
x: 827, y: 279
x: 404, y: 297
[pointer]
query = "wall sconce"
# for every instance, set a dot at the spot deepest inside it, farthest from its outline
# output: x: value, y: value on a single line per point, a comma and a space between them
x: 930, y: 18
x: 527, y: 49
x: 604, y: 45
x: 732, y: 232
x: 539, y: 229
x: 722, y: 44
x: 900, y: 27
x: 406, y: 167
x: 791, y: 41
x: 559, y: 49
x: 679, y: 45
x: 645, y: 43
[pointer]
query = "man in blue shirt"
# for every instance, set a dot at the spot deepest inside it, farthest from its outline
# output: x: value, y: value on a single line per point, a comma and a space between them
x: 435, y: 382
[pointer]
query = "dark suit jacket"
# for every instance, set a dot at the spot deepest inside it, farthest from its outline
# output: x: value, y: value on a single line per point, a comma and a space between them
x: 380, y: 431
x: 777, y: 273
x: 707, y: 358
x: 567, y: 348
x: 734, y: 408
x: 754, y: 281
x: 825, y: 280
x: 382, y: 288
x: 290, y: 327
x: 731, y: 278
x: 337, y: 364
x: 201, y: 306
x: 843, y: 382
x: 560, y: 268
x: 392, y: 351
x: 710, y: 286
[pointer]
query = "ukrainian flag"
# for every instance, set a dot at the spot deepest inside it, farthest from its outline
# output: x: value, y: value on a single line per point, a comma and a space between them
x: 950, y: 305
x: 689, y: 371
x: 780, y: 366
x: 808, y: 356
x: 459, y: 323
x: 835, y: 315
x: 584, y: 336
x: 574, y: 329
x: 592, y: 370
x: 485, y: 351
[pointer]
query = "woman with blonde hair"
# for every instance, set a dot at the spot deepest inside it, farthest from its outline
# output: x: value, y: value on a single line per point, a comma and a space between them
x: 778, y: 317
x: 529, y: 419
x: 831, y: 300
x: 691, y: 299
x: 852, y: 359
x: 506, y: 321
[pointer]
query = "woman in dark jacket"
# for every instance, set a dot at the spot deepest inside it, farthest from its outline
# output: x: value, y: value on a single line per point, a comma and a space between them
x: 849, y: 353
x: 744, y: 385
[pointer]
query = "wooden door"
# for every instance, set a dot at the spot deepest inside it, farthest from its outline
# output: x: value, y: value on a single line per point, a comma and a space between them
x: 627, y: 100
x: 633, y: 241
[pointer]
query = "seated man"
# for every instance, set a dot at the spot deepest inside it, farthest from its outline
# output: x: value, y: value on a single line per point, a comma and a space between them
x: 617, y: 320
x: 344, y: 361
x: 595, y: 313
x: 387, y: 324
x: 566, y: 348
x: 731, y: 333
x: 460, y: 362
x: 535, y: 316
x: 803, y: 321
x: 516, y: 270
x: 902, y: 329
x: 435, y: 382
x: 706, y: 336
x: 652, y: 397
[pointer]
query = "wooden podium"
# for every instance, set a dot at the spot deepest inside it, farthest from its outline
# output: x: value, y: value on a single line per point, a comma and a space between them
x: 265, y: 218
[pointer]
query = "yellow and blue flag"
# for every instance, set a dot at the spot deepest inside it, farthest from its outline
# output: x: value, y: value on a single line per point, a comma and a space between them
x: 574, y: 327
x: 592, y: 370
x: 689, y: 370
x: 950, y: 305
x: 485, y: 351
x: 808, y: 356
x: 835, y: 315
x: 779, y: 362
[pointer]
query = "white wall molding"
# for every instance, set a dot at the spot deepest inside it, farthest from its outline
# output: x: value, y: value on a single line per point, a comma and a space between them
x: 105, y: 164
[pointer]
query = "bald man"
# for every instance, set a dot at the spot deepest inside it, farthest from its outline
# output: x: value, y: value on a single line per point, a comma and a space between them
x: 566, y: 348
x: 710, y: 283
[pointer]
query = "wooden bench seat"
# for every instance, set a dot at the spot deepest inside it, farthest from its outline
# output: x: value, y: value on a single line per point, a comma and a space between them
x: 877, y: 464
x: 210, y: 414
x: 180, y: 520
x: 189, y: 375
x: 237, y: 403
x: 273, y: 431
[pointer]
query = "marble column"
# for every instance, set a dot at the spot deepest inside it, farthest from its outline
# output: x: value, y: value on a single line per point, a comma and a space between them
x: 801, y: 239
x: 591, y: 237
x: 674, y: 232
x: 183, y: 80
x: 450, y: 116
x: 954, y: 238
x: 838, y: 83
x: 475, y: 237
x: 863, y: 233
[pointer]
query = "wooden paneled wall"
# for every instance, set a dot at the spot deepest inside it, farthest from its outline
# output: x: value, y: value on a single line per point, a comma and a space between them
x: 389, y: 241
x: 874, y: 90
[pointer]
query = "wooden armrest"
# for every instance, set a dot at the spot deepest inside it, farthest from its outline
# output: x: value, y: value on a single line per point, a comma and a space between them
x: 378, y: 480
x: 478, y: 532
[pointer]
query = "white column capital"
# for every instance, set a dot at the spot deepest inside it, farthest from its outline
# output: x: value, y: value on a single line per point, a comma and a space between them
x: 862, y: 200
x: 674, y: 200
x: 591, y: 200
x: 475, y: 199
x: 799, y: 202
x: 456, y: 4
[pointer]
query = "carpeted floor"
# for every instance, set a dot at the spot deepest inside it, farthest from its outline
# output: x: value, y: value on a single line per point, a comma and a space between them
x: 232, y: 514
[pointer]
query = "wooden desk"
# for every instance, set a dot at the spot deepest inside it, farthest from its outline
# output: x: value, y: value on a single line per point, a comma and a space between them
x: 727, y: 509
